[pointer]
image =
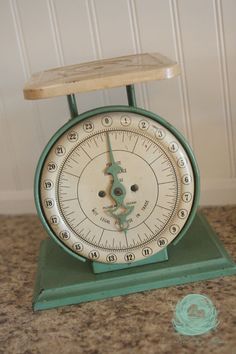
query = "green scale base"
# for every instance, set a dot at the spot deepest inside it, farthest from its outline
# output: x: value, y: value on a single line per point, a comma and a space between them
x: 63, y: 280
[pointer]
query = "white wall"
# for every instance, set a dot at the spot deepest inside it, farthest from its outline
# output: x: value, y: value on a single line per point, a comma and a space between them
x: 199, y: 34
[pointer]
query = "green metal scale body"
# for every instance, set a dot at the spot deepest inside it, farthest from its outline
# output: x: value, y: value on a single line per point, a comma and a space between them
x: 117, y: 190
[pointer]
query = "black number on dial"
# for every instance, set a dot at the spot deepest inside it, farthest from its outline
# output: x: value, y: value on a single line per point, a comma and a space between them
x: 72, y: 136
x: 47, y: 184
x: 129, y: 257
x: 111, y: 258
x: 49, y: 203
x: 52, y: 166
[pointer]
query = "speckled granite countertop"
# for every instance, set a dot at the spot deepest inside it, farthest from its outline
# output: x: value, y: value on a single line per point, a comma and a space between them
x: 138, y: 323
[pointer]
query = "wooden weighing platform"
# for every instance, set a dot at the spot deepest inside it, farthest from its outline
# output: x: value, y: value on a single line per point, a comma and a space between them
x: 100, y: 74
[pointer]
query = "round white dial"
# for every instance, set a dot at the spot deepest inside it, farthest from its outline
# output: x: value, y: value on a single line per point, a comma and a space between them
x: 117, y: 187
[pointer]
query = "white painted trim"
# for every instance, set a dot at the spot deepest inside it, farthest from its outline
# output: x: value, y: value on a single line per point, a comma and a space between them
x: 17, y: 202
x: 218, y: 192
x: 213, y: 192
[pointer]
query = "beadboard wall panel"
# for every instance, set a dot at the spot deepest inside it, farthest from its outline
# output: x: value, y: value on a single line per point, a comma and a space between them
x: 199, y: 39
x: 200, y: 35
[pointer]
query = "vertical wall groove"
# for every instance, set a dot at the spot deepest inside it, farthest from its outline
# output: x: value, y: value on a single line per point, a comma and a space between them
x: 9, y: 146
x: 95, y: 38
x: 135, y: 32
x: 20, y: 39
x: 15, y: 164
x: 219, y: 27
x: 26, y: 72
x: 25, y: 62
x: 174, y: 10
x: 56, y: 32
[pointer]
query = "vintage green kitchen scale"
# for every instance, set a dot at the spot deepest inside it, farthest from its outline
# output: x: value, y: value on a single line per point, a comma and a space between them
x: 117, y: 189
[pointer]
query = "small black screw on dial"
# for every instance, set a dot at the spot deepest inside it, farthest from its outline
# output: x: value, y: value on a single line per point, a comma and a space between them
x: 134, y: 188
x: 101, y: 194
x: 118, y: 191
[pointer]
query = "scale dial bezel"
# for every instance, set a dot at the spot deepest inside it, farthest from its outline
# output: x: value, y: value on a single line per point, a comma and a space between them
x: 107, y: 110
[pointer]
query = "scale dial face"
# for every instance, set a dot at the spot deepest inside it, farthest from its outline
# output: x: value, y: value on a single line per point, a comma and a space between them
x: 116, y: 187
